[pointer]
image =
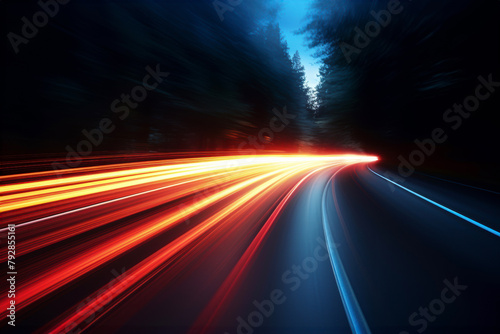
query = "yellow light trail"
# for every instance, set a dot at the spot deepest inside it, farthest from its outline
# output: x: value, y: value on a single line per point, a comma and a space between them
x: 225, y: 191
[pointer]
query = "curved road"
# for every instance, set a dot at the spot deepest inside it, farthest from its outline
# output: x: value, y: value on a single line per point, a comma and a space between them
x: 282, y: 244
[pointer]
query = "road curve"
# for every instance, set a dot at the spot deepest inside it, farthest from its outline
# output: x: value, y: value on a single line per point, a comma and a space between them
x: 264, y: 244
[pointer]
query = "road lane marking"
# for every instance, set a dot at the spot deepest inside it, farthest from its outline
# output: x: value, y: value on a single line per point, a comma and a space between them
x: 353, y: 310
x: 472, y: 221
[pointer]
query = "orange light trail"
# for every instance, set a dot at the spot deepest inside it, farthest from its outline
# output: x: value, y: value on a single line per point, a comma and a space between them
x: 108, y: 212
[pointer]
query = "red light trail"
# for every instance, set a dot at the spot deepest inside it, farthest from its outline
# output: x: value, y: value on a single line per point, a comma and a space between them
x: 69, y: 227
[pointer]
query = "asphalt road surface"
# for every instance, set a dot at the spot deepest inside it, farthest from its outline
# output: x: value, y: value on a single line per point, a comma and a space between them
x: 280, y: 244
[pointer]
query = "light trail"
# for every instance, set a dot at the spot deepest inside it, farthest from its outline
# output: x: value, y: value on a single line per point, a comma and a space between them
x: 93, y: 217
x: 221, y: 298
x: 353, y: 310
x: 470, y: 220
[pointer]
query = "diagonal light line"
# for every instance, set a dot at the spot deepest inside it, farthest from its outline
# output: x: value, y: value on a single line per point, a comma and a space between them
x: 106, y: 202
x: 353, y: 310
x: 246, y: 260
x: 472, y: 221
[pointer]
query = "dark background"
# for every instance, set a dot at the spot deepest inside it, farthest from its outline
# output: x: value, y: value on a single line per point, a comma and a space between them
x: 226, y: 78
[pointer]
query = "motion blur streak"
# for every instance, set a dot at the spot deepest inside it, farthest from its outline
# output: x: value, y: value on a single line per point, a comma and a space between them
x: 353, y: 310
x: 152, y: 263
x: 93, y: 218
x: 218, y: 302
x: 472, y: 221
